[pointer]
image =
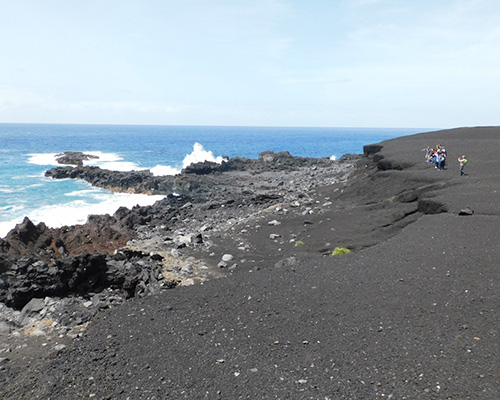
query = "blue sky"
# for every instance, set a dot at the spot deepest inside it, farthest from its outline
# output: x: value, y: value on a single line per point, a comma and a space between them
x: 360, y: 63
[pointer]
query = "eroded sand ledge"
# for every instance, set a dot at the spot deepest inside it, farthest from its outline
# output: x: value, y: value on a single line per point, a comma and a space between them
x: 412, y: 313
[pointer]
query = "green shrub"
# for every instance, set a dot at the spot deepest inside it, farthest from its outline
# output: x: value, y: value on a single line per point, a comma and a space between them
x: 340, y: 250
x: 299, y: 243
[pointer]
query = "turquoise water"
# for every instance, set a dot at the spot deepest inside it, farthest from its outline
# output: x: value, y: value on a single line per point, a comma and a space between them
x: 28, y: 150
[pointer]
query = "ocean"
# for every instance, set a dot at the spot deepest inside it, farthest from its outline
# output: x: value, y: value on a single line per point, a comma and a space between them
x: 28, y: 150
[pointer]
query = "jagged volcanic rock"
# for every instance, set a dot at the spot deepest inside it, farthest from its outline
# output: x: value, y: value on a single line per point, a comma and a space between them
x: 74, y: 157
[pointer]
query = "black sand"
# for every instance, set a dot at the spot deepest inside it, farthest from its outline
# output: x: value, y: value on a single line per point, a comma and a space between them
x: 412, y: 313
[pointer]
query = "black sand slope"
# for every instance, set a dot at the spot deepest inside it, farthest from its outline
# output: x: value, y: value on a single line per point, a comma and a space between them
x: 412, y: 313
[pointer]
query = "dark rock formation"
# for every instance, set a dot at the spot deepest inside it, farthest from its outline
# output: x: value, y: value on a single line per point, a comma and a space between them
x: 429, y: 206
x: 27, y: 278
x: 202, y: 168
x: 371, y: 149
x: 100, y: 234
x: 26, y: 238
x: 127, y: 274
x: 192, y: 181
x: 74, y: 157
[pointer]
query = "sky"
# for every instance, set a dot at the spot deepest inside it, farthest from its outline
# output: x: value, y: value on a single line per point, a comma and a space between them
x: 331, y: 63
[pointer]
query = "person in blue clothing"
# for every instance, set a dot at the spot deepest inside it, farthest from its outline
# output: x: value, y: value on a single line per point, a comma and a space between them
x: 441, y: 158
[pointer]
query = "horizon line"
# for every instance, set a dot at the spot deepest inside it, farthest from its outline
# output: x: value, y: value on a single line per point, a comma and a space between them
x: 222, y: 126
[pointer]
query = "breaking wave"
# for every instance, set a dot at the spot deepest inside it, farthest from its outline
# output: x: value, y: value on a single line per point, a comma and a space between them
x: 78, y: 210
x: 199, y: 154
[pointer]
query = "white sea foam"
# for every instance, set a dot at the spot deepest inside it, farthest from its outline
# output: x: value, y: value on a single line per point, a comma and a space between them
x: 199, y: 154
x: 118, y: 166
x: 111, y: 161
x: 39, y: 175
x: 77, y: 211
x: 4, y: 189
x: 43, y: 159
x: 115, y: 162
x: 83, y: 193
x: 102, y: 157
x: 333, y: 158
x: 162, y: 170
x: 6, y: 226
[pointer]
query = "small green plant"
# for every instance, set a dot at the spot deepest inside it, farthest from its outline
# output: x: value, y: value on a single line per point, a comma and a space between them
x: 340, y: 250
x: 299, y: 243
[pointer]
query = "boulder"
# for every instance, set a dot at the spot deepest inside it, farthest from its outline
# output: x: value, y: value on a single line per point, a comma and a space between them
x: 33, y: 308
x: 466, y: 211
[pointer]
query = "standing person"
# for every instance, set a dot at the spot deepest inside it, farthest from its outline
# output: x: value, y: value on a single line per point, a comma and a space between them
x: 428, y: 152
x: 435, y: 158
x: 442, y: 161
x: 463, y: 161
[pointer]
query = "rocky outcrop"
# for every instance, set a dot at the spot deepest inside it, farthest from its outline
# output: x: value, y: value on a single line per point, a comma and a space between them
x: 25, y: 238
x: 126, y: 274
x: 193, y: 180
x: 74, y: 157
x: 27, y: 278
x: 202, y: 168
x: 134, y: 182
x: 100, y: 234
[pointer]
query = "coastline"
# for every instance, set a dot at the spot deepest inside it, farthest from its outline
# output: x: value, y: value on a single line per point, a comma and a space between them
x: 161, y: 149
x: 397, y: 316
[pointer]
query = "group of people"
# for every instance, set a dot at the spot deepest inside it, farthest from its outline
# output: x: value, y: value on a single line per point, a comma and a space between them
x: 438, y: 157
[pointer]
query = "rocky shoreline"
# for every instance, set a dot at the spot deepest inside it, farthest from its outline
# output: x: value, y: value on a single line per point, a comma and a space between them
x: 411, y: 312
x: 66, y: 275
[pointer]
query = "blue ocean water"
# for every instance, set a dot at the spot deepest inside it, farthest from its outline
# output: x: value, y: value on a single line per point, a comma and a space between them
x: 28, y: 150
